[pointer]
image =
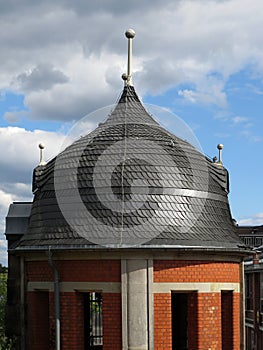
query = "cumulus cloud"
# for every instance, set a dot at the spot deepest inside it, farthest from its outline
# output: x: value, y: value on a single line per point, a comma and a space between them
x: 61, y: 55
x: 21, y: 153
x: 5, y: 200
x: 17, y: 160
x: 42, y: 77
x: 255, y: 220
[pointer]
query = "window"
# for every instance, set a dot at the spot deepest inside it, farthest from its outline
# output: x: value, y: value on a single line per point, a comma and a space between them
x: 93, y: 321
x: 249, y: 291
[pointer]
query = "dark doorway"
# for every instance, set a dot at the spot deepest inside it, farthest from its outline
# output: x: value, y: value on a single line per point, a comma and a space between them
x: 42, y: 316
x: 227, y: 319
x: 93, y: 321
x: 180, y: 321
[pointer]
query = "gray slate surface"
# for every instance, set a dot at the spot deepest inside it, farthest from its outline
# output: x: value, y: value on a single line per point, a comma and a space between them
x: 186, y: 204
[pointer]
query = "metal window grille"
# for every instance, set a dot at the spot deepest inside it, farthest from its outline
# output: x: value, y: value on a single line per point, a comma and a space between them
x: 93, y: 321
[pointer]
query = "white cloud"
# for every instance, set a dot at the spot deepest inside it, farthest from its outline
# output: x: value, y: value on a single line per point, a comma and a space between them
x: 19, y: 156
x: 215, y: 97
x: 5, y: 200
x: 250, y: 136
x: 21, y: 153
x: 255, y: 220
x: 17, y: 160
x: 41, y: 77
x: 238, y: 119
x: 66, y: 58
x: 177, y: 42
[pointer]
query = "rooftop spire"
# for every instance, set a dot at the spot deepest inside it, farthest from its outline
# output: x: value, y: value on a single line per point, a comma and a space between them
x: 130, y: 34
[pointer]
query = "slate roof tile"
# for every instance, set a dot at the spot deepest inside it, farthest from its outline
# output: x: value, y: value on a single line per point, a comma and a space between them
x: 187, y: 201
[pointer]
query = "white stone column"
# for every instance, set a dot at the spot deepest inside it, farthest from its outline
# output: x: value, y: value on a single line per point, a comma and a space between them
x: 137, y: 304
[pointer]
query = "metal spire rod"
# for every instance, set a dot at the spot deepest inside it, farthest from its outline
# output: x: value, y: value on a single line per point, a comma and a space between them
x: 130, y: 34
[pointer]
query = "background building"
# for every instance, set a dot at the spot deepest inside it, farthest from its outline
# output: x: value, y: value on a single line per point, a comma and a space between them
x: 253, y: 235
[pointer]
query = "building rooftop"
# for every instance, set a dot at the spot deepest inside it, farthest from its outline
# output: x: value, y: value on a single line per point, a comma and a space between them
x: 130, y: 183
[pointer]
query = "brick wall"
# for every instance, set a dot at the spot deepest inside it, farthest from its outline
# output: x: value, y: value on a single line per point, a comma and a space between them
x: 209, y: 321
x: 112, y: 321
x: 193, y: 315
x: 236, y: 320
x: 227, y: 320
x: 76, y: 270
x: 72, y: 321
x: 72, y: 305
x: 38, y: 323
x: 195, y: 271
x: 204, y: 309
x: 162, y: 321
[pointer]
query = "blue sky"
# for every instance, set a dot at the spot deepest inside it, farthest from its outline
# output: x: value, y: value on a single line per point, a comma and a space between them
x: 201, y: 59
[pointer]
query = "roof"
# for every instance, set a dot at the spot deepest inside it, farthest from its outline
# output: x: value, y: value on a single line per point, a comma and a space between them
x: 17, y: 218
x: 129, y: 183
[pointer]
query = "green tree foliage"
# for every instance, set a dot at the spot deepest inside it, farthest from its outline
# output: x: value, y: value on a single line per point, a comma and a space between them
x: 5, y: 343
x: 3, y: 293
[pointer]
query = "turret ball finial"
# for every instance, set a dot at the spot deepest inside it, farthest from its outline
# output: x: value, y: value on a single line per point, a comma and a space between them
x: 220, y: 146
x: 41, y: 147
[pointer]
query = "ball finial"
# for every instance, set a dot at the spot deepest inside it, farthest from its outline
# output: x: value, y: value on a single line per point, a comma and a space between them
x: 220, y: 146
x: 130, y: 33
x: 41, y: 145
x: 124, y: 76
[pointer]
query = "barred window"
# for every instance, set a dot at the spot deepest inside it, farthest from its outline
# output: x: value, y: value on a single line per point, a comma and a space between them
x: 93, y: 321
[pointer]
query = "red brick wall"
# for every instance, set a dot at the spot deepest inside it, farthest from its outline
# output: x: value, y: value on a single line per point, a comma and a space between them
x: 71, y: 312
x: 162, y: 321
x: 75, y: 271
x: 204, y: 309
x: 38, y: 314
x: 227, y: 320
x: 71, y: 304
x: 195, y: 271
x: 236, y: 320
x: 112, y: 321
x: 193, y: 320
x: 209, y: 321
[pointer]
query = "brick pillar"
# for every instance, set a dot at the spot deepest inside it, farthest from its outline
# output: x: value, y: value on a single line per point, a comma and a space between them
x: 192, y: 321
x: 111, y: 318
x: 209, y: 321
x: 162, y: 321
x: 72, y: 321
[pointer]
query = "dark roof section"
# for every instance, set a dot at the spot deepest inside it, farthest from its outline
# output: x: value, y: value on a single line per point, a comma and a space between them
x: 187, y: 203
x: 17, y: 218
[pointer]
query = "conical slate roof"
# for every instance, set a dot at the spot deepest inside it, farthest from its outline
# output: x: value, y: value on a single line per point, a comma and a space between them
x: 130, y: 183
